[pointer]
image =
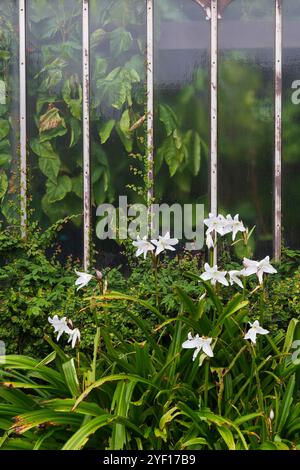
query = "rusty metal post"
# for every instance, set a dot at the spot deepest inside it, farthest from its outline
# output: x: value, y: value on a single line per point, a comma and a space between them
x: 23, y: 130
x: 86, y: 136
x: 278, y: 130
x: 150, y: 106
x: 214, y: 112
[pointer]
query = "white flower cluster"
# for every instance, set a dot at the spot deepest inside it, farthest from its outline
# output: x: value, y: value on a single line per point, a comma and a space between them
x: 61, y: 326
x: 161, y: 244
x: 259, y: 268
x: 201, y: 343
x: 224, y: 225
x: 218, y: 224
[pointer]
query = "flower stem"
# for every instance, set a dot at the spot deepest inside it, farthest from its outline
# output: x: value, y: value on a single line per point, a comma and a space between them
x: 155, y: 270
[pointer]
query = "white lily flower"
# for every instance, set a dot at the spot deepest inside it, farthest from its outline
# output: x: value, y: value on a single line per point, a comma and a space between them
x: 234, y: 225
x: 215, y: 223
x: 83, y: 279
x: 234, y: 278
x: 258, y: 268
x: 209, y: 241
x: 255, y: 329
x: 164, y: 243
x: 199, y: 344
x: 213, y: 275
x: 74, y: 336
x: 60, y: 325
x: 143, y: 246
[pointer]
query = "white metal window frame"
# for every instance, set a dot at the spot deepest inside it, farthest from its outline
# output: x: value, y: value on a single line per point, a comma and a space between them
x: 150, y: 118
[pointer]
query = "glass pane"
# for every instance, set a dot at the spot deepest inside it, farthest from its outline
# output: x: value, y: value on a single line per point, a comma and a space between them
x: 9, y: 112
x: 54, y: 114
x: 291, y: 122
x: 181, y: 76
x: 118, y: 97
x: 246, y: 116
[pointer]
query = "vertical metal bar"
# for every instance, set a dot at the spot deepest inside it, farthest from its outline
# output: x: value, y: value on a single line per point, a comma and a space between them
x: 214, y: 112
x: 86, y: 136
x: 278, y: 129
x: 150, y: 102
x: 23, y: 131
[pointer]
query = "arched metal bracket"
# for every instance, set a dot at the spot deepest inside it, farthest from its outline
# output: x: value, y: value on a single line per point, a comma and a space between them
x: 206, y: 5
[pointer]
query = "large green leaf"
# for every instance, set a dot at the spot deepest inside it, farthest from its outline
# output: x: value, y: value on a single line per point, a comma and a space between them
x: 56, y: 191
x: 168, y: 118
x: 97, y: 37
x: 120, y: 41
x: 71, y: 377
x: 51, y: 125
x: 4, y: 128
x: 49, y: 161
x: 72, y: 95
x: 172, y: 153
x: 106, y: 129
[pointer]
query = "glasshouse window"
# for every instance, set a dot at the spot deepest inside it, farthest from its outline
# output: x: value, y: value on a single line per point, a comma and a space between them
x: 149, y: 227
x: 9, y: 116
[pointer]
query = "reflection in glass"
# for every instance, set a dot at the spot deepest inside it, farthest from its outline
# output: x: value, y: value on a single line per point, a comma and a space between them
x: 291, y: 123
x: 118, y: 97
x: 54, y: 114
x: 246, y: 116
x: 9, y: 128
x: 181, y: 73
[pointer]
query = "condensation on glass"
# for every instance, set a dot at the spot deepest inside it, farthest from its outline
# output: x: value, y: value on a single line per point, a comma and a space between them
x: 9, y: 114
x: 181, y: 103
x: 246, y: 116
x: 211, y: 100
x: 291, y: 123
x: 118, y: 114
x: 55, y: 117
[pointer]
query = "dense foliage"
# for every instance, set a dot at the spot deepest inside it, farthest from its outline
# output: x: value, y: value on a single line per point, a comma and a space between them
x: 129, y: 384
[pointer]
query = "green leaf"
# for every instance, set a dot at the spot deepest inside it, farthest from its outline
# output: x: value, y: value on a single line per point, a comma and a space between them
x: 286, y: 403
x: 97, y: 37
x: 168, y: 118
x: 172, y: 155
x: 75, y: 131
x: 168, y: 417
x: 56, y: 191
x: 187, y: 302
x: 49, y: 161
x: 227, y: 436
x: 51, y: 125
x: 289, y: 338
x: 123, y: 131
x: 77, y: 186
x: 111, y: 378
x: 3, y: 184
x: 195, y: 441
x: 80, y: 438
x: 100, y: 68
x: 3, y: 109
x: 5, y: 55
x: 72, y: 95
x: 120, y: 405
x: 120, y: 41
x: 71, y: 377
x: 106, y: 130
x: 192, y: 141
x: 4, y: 128
x: 4, y: 159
